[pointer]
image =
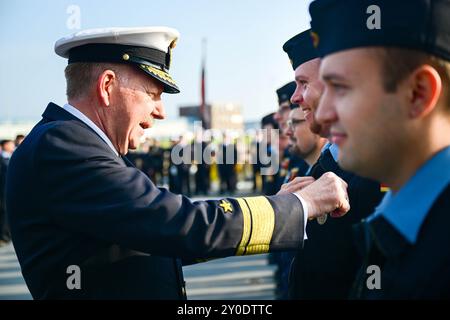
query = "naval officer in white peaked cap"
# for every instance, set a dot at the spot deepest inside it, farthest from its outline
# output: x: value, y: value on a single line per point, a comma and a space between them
x: 149, y: 48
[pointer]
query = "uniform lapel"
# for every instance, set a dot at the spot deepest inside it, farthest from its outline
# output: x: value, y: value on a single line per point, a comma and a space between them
x: 377, y: 242
x: 127, y: 162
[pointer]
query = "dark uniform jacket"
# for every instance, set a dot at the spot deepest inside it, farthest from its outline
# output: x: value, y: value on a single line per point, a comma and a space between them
x: 326, y: 267
x: 419, y: 271
x: 88, y: 207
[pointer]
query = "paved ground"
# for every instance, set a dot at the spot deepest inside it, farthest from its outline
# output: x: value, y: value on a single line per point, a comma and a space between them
x: 12, y: 285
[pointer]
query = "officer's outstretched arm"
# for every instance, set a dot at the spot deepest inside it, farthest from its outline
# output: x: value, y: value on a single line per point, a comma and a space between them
x: 95, y: 193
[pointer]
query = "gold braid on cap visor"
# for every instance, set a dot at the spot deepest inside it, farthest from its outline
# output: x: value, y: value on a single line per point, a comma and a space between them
x: 159, y: 73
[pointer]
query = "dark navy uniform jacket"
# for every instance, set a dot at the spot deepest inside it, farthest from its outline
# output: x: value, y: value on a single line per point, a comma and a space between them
x: 72, y: 201
x: 408, y: 239
x: 329, y: 261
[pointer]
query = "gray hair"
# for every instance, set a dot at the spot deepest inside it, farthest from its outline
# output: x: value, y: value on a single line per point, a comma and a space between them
x: 81, y: 76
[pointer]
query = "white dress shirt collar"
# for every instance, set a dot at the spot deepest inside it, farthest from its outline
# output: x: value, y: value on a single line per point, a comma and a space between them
x: 77, y: 113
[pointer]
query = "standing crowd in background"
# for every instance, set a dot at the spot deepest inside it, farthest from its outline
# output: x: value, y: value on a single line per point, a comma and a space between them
x: 7, y: 148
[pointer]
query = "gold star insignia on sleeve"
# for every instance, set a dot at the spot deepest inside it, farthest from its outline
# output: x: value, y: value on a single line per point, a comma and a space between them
x: 226, y: 206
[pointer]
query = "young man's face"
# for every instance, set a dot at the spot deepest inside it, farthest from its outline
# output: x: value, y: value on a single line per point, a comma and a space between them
x: 367, y: 123
x: 308, y: 92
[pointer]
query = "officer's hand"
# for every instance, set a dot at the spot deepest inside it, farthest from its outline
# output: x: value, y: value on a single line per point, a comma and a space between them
x: 296, y: 184
x: 327, y: 194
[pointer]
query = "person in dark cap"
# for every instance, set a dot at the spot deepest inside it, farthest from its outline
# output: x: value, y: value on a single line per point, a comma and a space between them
x: 306, y: 146
x: 386, y: 69
x: 269, y: 181
x: 329, y: 243
x: 288, y: 161
x: 290, y: 165
x: 282, y: 114
x: 94, y: 226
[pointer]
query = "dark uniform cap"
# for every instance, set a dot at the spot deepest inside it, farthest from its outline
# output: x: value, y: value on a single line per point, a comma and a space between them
x: 300, y: 49
x: 269, y: 119
x: 149, y: 48
x: 415, y: 24
x: 285, y: 93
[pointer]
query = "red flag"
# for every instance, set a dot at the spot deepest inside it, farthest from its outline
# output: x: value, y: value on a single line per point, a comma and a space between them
x: 203, y: 116
x: 203, y: 95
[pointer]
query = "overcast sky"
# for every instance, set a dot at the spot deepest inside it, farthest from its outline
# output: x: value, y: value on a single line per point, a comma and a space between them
x: 245, y: 61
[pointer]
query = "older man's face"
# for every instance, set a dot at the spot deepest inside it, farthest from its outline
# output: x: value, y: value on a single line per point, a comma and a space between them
x: 308, y: 92
x: 135, y: 103
x: 365, y: 121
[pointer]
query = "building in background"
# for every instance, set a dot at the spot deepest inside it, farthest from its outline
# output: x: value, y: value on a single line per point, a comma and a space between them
x: 221, y: 116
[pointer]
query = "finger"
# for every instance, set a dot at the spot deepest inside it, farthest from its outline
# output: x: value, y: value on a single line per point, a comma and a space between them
x: 343, y: 208
x: 297, y: 187
x: 283, y: 191
x: 345, y: 184
x: 336, y: 213
x: 302, y: 182
x: 291, y: 189
x: 296, y: 181
x: 303, y: 179
x: 344, y: 203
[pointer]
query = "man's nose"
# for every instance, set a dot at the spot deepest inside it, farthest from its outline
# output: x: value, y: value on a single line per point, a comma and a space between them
x: 326, y: 111
x: 297, y: 97
x: 159, y: 111
x: 289, y: 132
x: 277, y: 116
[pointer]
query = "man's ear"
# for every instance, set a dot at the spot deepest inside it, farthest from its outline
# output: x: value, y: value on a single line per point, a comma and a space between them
x: 105, y: 85
x: 426, y: 88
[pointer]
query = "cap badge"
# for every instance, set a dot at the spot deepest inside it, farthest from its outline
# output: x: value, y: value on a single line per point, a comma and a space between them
x: 315, y: 39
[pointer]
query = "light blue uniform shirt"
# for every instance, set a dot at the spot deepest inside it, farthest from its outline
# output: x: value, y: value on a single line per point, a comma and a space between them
x: 407, y: 209
x: 334, y: 149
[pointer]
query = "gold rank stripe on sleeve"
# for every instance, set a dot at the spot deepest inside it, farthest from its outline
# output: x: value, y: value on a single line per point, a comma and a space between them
x: 247, y: 226
x: 258, y: 225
